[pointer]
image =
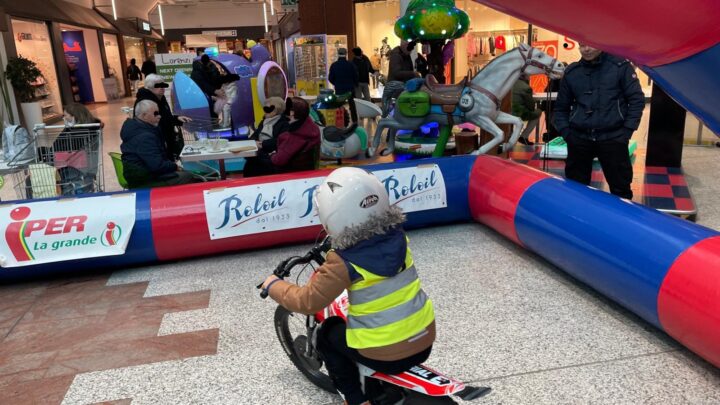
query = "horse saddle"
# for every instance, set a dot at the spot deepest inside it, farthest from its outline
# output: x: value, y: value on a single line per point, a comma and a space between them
x: 446, y: 95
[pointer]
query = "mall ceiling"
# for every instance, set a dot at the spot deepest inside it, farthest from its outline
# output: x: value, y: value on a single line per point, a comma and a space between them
x: 141, y: 8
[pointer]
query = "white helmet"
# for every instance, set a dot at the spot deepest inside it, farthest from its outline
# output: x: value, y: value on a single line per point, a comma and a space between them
x: 348, y: 197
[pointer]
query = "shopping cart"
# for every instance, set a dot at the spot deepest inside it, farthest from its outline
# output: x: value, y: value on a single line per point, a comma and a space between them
x: 67, y: 162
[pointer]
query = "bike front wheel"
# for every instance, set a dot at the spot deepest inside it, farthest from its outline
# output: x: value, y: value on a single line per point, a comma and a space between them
x: 291, y: 332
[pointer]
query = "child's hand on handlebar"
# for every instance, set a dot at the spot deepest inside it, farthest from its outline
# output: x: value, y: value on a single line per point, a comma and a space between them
x: 269, y: 280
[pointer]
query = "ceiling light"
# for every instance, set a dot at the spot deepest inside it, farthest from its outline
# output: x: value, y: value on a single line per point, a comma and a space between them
x: 162, y: 23
x: 265, y: 16
x: 114, y: 10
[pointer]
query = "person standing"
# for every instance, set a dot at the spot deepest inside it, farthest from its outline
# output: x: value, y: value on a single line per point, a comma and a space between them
x: 364, y: 69
x: 400, y: 71
x: 523, y: 106
x: 599, y: 106
x: 343, y: 74
x: 134, y: 74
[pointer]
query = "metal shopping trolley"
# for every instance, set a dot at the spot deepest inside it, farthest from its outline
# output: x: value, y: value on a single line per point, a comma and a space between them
x: 67, y: 162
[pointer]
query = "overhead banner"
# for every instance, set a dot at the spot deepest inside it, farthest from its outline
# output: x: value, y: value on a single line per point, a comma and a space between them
x: 55, y: 231
x: 261, y: 208
x: 168, y: 64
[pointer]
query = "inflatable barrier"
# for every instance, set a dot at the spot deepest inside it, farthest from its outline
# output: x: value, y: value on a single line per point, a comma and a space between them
x: 664, y: 269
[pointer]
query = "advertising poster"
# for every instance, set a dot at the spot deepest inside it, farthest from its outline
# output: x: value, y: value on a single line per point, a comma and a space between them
x: 76, y: 58
x: 56, y: 231
x: 261, y: 208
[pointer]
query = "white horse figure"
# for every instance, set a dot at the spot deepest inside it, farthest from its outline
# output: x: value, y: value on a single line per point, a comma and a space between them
x: 477, y: 102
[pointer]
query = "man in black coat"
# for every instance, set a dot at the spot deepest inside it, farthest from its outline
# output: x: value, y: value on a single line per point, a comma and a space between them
x: 364, y: 69
x: 154, y: 91
x: 144, y: 157
x: 599, y: 106
x: 401, y: 67
x: 343, y: 74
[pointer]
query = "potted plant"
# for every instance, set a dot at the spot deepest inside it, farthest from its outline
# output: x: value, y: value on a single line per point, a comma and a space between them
x: 25, y: 77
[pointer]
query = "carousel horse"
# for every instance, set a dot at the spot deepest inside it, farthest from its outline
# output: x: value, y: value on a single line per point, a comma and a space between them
x: 476, y: 101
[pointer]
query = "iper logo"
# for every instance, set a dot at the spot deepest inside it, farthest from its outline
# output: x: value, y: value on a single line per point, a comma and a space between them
x: 20, y: 230
x: 111, y: 235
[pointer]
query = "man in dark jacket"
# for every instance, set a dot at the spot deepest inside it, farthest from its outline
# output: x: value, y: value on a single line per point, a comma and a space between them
x: 154, y: 91
x: 343, y: 74
x: 599, y: 106
x: 523, y: 106
x: 134, y: 75
x: 401, y: 65
x: 365, y: 69
x: 145, y: 159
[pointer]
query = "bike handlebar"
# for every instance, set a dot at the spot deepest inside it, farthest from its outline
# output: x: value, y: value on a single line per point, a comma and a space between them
x: 283, y: 269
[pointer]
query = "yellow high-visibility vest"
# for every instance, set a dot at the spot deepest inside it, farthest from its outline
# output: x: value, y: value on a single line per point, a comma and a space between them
x: 386, y: 310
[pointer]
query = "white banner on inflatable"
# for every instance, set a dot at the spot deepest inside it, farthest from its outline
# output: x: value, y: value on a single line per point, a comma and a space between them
x: 415, y: 189
x: 56, y: 231
x: 261, y: 208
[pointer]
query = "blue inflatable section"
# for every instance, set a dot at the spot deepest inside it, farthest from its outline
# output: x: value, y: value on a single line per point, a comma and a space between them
x: 140, y: 249
x: 622, y: 249
x: 456, y: 173
x: 693, y: 82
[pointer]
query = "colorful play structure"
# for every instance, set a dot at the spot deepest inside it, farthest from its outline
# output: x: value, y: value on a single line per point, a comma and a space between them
x: 260, y: 78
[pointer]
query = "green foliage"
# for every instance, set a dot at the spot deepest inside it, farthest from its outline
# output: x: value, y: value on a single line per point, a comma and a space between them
x: 430, y: 20
x: 23, y: 75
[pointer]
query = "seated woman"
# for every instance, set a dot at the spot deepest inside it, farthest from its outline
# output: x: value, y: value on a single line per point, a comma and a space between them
x: 270, y: 128
x: 297, y: 149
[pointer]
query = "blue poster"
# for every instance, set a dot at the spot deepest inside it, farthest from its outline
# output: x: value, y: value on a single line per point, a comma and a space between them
x: 76, y: 58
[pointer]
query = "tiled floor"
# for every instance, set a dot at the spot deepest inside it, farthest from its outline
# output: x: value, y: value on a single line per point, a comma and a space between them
x: 195, y: 332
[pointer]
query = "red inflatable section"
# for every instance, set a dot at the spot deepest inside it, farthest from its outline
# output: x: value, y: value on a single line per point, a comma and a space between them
x: 649, y: 32
x: 689, y: 300
x: 496, y: 187
x: 180, y: 227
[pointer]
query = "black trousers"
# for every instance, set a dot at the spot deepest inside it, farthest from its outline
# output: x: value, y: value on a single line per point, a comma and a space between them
x: 614, y: 159
x: 340, y: 361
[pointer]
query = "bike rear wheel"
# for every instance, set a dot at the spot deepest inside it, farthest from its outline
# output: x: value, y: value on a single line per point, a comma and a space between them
x: 294, y: 341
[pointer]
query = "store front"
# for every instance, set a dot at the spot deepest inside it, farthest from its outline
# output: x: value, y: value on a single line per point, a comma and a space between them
x: 116, y: 72
x: 63, y: 39
x: 134, y: 49
x: 32, y: 41
x: 491, y: 34
x: 84, y: 64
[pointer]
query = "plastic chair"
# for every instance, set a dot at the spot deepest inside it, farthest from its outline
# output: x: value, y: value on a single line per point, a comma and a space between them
x: 118, y: 165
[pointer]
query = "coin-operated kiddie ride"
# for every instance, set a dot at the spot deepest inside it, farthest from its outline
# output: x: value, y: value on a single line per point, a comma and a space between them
x: 260, y: 78
x: 342, y: 137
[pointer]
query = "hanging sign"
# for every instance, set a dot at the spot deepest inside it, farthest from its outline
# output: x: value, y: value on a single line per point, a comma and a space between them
x: 168, y: 64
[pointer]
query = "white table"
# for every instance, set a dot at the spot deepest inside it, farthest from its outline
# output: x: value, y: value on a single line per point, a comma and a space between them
x: 201, y: 150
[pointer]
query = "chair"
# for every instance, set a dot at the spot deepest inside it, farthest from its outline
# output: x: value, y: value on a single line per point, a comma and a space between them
x: 118, y: 165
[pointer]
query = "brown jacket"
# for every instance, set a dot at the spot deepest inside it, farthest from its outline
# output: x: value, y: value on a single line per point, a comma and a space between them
x: 331, y: 279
